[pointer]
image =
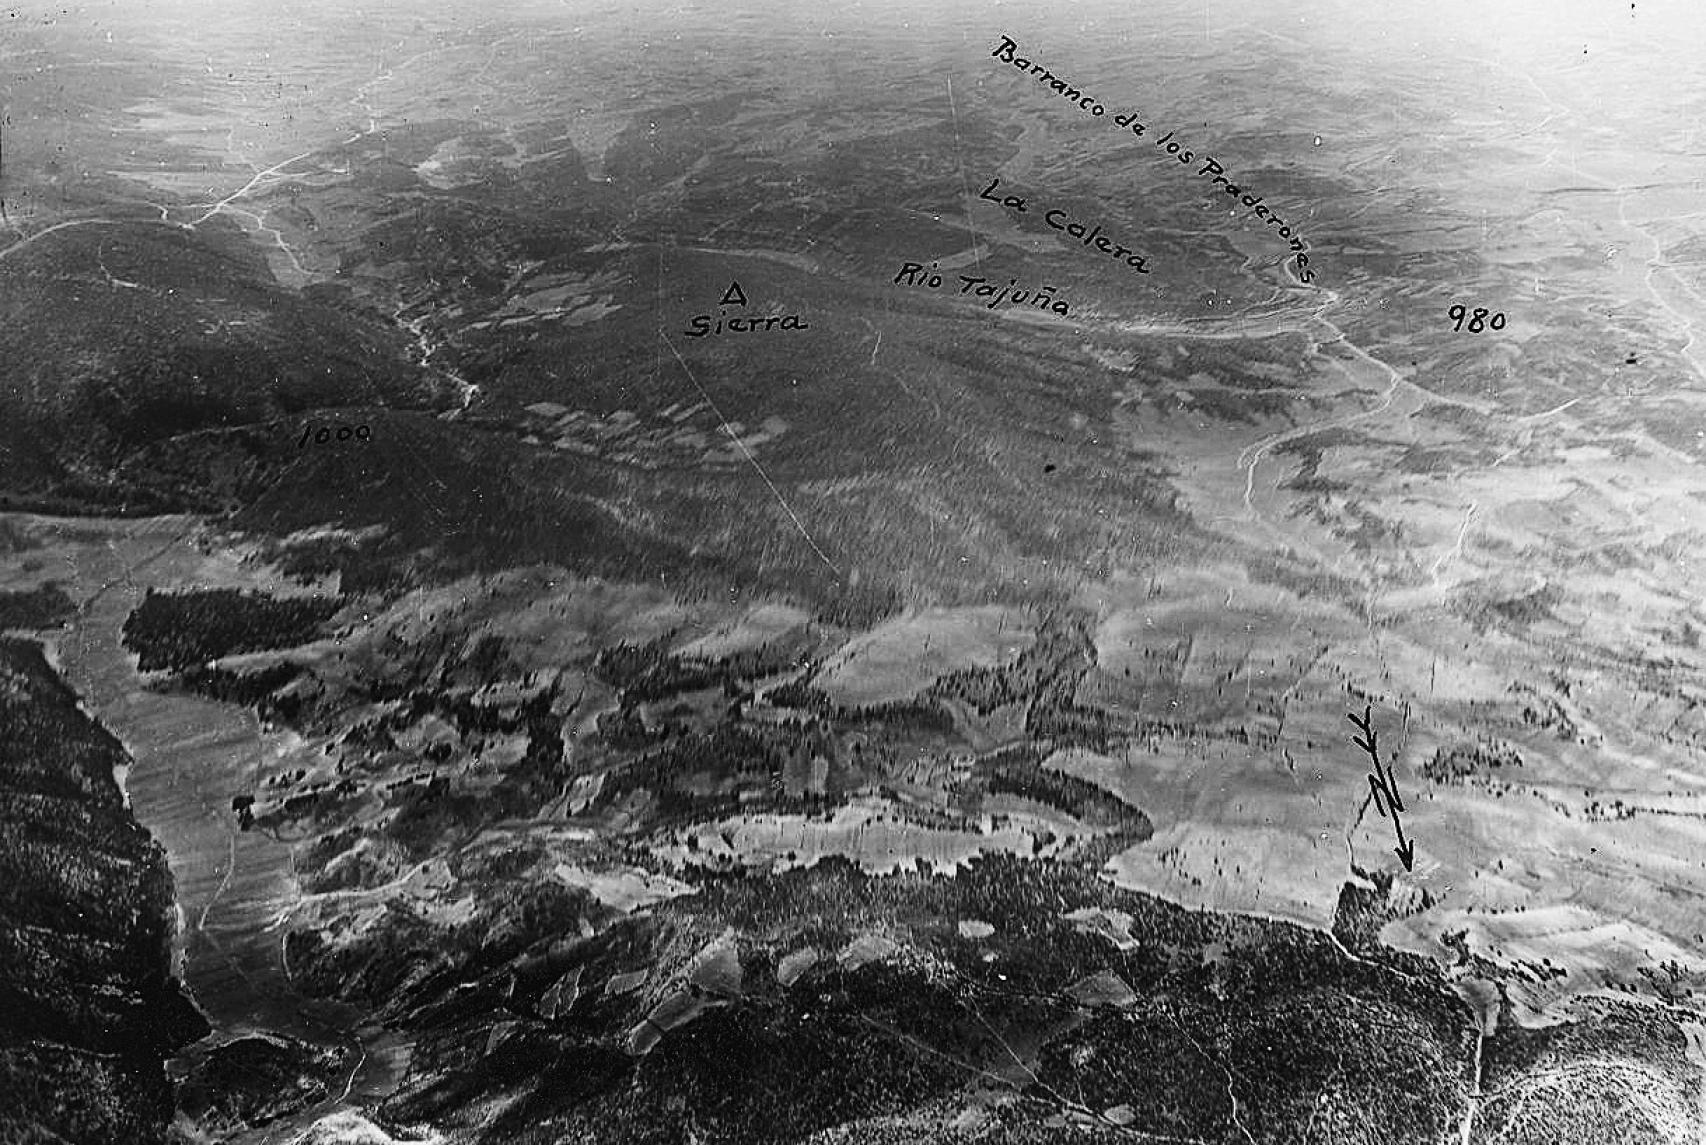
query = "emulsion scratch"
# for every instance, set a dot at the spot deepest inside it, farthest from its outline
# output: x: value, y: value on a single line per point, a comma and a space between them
x: 747, y: 453
x: 1548, y: 413
x: 1456, y: 550
x: 965, y: 187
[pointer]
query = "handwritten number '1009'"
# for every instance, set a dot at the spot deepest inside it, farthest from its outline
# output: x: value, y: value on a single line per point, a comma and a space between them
x: 324, y: 434
x: 1477, y: 318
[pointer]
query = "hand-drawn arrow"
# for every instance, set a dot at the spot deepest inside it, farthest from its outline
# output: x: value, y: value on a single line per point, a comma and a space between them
x: 1372, y: 746
x: 1384, y: 795
x: 1405, y: 851
x: 1382, y: 785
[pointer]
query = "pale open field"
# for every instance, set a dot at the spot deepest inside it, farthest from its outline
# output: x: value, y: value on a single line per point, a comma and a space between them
x: 872, y: 833
x: 901, y: 657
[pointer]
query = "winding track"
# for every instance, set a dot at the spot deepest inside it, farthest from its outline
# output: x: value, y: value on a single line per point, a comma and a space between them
x: 36, y: 236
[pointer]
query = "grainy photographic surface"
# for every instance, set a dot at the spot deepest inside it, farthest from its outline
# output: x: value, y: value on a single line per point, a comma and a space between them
x: 852, y: 574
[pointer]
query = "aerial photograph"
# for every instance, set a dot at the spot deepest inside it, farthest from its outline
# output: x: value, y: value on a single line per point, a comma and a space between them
x: 763, y: 572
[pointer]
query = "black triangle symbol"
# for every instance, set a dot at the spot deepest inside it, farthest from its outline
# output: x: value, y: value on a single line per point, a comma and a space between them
x: 733, y: 296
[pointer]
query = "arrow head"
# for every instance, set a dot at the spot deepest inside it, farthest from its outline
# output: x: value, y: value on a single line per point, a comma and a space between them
x: 1406, y: 855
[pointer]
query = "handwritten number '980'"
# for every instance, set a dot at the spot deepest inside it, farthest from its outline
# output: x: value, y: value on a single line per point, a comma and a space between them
x: 1477, y: 318
x: 325, y: 434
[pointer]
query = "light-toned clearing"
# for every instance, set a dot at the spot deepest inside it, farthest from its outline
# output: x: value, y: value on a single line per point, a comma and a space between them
x: 868, y: 831
x: 758, y: 625
x: 347, y: 1127
x: 625, y: 983
x: 1103, y: 988
x: 1250, y: 869
x: 1230, y: 832
x: 629, y: 889
x: 1113, y: 925
x: 901, y: 657
x: 865, y: 949
x: 1553, y: 953
x: 794, y: 964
